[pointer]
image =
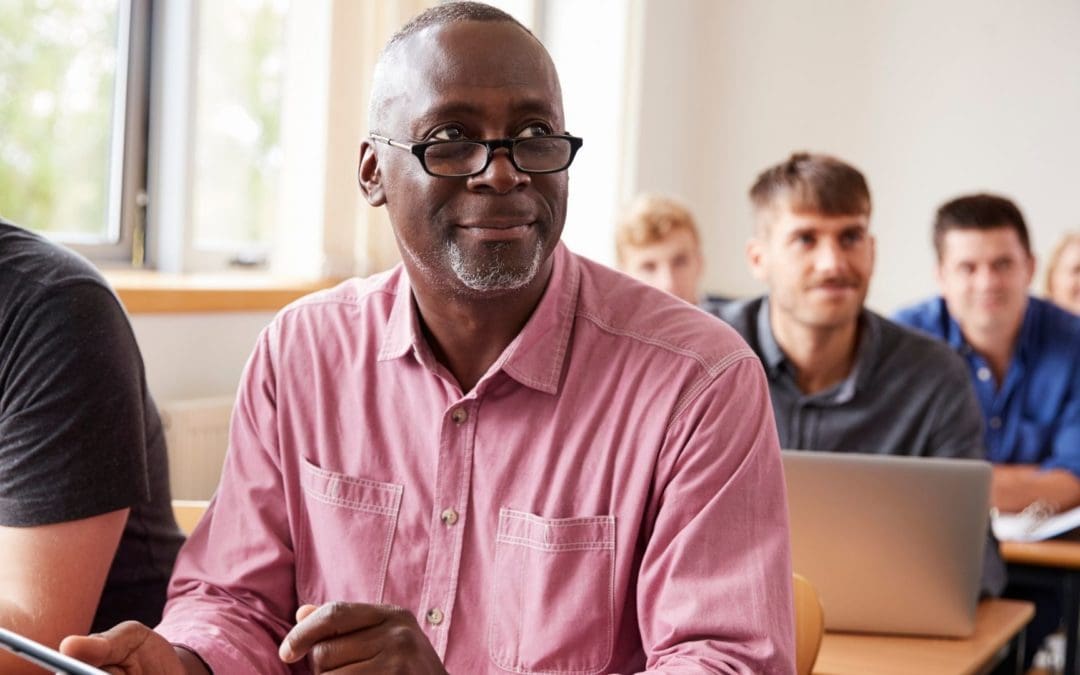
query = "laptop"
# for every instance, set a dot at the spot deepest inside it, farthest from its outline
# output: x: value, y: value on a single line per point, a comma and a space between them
x: 892, y: 544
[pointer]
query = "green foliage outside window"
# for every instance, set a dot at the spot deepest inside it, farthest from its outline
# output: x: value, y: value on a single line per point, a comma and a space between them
x: 57, y: 70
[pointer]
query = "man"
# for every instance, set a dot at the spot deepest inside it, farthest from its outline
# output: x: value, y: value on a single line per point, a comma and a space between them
x: 1021, y: 352
x: 450, y: 466
x: 842, y: 378
x: 86, y: 526
x: 657, y: 243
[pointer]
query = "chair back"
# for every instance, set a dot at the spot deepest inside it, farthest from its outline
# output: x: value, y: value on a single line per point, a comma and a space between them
x: 809, y: 624
x: 188, y: 513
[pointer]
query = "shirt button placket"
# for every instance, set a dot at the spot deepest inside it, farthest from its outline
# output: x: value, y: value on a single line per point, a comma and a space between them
x: 444, y: 555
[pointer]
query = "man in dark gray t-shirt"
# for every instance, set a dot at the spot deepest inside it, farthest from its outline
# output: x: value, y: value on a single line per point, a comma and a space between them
x: 86, y: 524
x: 841, y: 378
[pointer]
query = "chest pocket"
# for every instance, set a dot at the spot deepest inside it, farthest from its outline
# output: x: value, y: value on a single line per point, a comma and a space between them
x: 553, y: 597
x: 345, y: 537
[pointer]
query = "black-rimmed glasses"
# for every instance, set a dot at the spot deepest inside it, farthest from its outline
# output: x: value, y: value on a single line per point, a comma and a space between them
x: 457, y: 159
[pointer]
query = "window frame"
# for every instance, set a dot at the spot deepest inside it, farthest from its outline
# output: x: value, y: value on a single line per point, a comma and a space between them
x: 127, y: 198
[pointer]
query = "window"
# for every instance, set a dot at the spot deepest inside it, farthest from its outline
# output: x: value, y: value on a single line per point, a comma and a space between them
x: 72, y: 110
x: 237, y: 140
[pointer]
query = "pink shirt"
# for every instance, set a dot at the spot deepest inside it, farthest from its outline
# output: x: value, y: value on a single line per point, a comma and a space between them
x: 608, y: 498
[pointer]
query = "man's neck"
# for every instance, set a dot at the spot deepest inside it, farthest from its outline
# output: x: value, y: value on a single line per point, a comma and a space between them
x: 996, y: 346
x: 466, y: 334
x: 823, y: 357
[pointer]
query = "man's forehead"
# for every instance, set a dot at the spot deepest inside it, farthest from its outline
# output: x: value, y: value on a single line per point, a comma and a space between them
x: 478, y: 54
x: 975, y: 241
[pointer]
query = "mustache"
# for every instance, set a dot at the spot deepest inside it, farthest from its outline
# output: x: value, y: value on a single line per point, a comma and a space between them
x: 837, y: 281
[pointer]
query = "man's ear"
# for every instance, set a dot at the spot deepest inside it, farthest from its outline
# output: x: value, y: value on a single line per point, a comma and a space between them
x: 369, y: 176
x: 755, y: 257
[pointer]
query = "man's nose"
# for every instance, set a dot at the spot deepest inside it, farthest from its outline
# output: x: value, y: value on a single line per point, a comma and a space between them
x: 665, y: 279
x: 829, y: 257
x: 500, y: 176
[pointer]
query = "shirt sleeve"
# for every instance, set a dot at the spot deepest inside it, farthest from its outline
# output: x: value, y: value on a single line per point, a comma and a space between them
x: 714, y: 592
x: 232, y: 594
x: 1065, y: 446
x: 72, y: 417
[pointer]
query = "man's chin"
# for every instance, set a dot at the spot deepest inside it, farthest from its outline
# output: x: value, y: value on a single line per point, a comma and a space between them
x: 498, y: 270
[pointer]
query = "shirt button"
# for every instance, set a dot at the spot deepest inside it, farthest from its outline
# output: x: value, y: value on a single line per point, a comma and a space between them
x: 449, y: 516
x: 459, y: 415
x: 983, y: 374
x: 995, y: 422
x: 434, y: 616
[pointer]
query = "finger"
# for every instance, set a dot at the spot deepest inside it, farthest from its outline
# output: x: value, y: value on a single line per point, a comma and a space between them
x: 329, y: 621
x: 92, y: 649
x: 304, y: 612
x: 110, y: 647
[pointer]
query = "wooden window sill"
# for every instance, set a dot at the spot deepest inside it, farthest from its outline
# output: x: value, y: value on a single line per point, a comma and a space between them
x: 145, y: 292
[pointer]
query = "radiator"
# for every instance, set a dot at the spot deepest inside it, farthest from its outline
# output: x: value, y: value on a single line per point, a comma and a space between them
x: 197, y: 433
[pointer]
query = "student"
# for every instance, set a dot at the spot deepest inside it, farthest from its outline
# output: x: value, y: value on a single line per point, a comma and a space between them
x: 1022, y: 358
x: 657, y: 243
x: 86, y: 525
x: 1021, y: 352
x: 1063, y: 274
x: 842, y: 378
x: 451, y: 466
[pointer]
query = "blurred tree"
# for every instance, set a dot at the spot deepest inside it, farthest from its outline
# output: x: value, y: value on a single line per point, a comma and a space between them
x: 57, y: 76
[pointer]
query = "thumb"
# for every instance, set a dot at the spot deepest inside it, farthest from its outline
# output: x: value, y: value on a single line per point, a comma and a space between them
x: 304, y: 612
x: 91, y: 649
x: 108, y: 648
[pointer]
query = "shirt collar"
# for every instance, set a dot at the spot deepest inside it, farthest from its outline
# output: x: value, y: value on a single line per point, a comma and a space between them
x: 955, y: 337
x: 865, y: 353
x: 535, y: 357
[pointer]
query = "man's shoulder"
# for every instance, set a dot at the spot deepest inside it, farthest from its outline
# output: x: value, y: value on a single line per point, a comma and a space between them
x: 1055, y: 321
x: 29, y: 263
x: 365, y: 295
x: 626, y: 309
x: 742, y: 315
x: 930, y: 358
x: 1053, y: 340
x: 929, y: 316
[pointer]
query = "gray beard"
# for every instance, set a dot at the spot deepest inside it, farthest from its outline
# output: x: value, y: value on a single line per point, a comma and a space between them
x: 494, y: 274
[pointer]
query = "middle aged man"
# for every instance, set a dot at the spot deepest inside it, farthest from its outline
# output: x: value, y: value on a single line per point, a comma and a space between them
x: 1022, y: 353
x: 466, y: 436
x: 842, y: 378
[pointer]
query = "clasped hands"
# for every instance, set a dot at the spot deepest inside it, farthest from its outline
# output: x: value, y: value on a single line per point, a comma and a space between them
x: 338, y: 638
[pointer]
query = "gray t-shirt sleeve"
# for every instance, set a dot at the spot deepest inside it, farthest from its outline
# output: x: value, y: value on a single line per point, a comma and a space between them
x: 72, y: 430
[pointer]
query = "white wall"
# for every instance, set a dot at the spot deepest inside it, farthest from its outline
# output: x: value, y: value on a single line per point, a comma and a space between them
x: 196, y: 355
x: 930, y: 99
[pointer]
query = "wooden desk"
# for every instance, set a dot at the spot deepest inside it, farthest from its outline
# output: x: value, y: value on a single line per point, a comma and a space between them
x: 996, y: 623
x: 1054, y: 563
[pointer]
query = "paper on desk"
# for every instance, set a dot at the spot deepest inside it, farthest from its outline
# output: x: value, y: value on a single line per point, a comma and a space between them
x: 1028, y: 526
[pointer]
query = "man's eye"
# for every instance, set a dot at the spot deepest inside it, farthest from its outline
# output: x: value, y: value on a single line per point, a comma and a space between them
x: 535, y: 130
x: 448, y: 134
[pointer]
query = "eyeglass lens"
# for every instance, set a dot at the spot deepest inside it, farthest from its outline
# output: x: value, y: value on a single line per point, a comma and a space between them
x: 466, y: 157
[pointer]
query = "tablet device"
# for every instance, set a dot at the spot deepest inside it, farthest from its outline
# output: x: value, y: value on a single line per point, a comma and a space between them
x: 47, y: 658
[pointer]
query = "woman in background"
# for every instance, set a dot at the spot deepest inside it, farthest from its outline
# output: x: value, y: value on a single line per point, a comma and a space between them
x: 1063, y: 274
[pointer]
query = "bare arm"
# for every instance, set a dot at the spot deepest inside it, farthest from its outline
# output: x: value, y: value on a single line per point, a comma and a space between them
x: 51, y: 577
x: 1015, y: 486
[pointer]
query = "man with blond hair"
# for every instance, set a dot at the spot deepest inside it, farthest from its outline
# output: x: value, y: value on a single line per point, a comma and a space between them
x: 657, y: 242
